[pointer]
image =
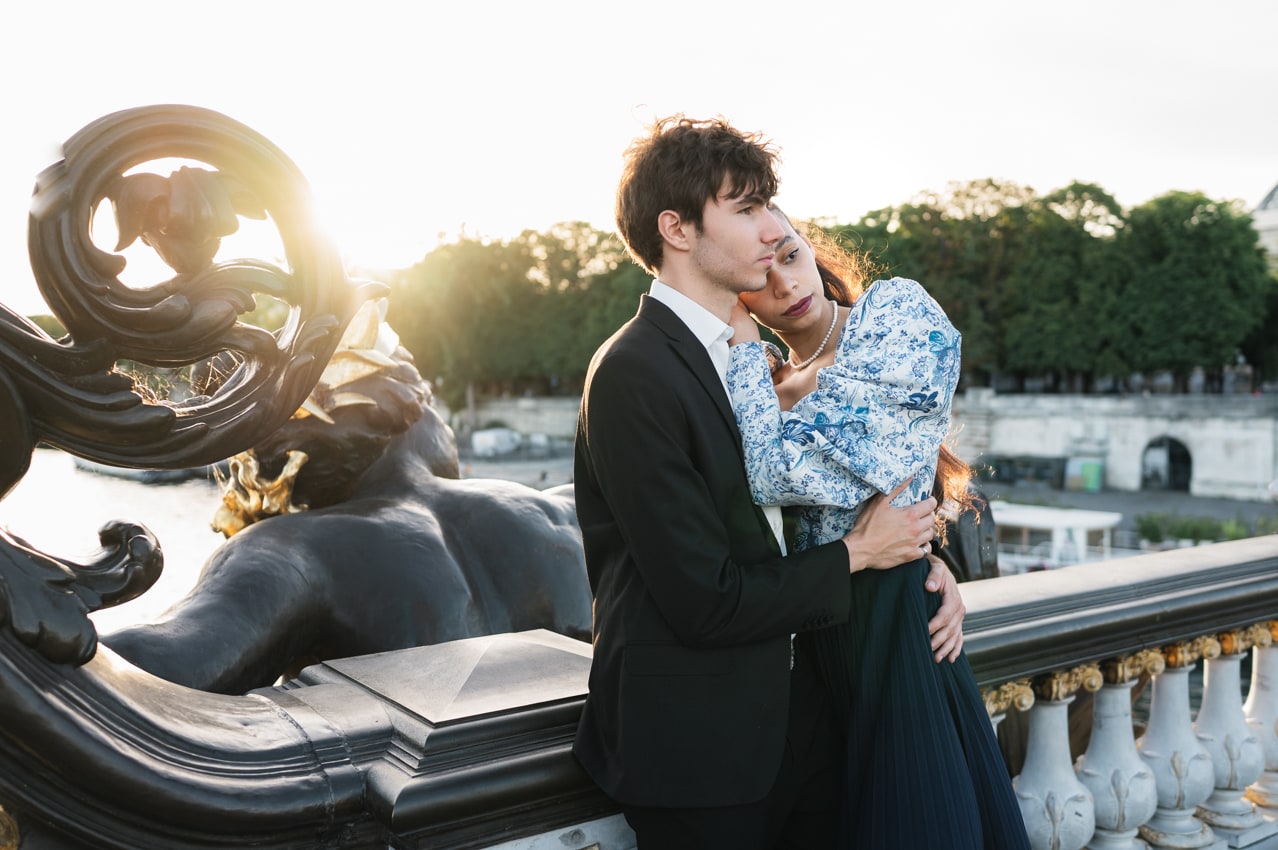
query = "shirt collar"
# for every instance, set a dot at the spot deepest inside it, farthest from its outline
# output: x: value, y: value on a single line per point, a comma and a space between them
x: 705, y: 326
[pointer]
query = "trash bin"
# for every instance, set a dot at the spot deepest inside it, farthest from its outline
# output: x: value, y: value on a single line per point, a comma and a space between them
x: 1085, y: 473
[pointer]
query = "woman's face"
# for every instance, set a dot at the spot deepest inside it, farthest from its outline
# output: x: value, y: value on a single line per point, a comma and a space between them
x: 793, y: 298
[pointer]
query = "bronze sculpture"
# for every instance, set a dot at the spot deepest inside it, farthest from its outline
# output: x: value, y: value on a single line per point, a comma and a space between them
x: 275, y: 599
x: 96, y: 752
x: 67, y: 393
x: 392, y: 550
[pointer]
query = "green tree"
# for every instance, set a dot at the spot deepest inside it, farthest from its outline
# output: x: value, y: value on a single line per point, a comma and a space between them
x: 451, y: 311
x: 613, y: 300
x: 571, y: 266
x: 48, y: 323
x: 1260, y: 348
x: 962, y: 245
x: 1066, y: 287
x: 514, y: 315
x: 1197, y: 288
x: 1062, y: 289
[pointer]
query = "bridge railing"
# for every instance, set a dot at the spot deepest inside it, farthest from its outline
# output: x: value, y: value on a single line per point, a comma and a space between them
x: 1065, y: 650
x: 1059, y: 655
x: 468, y: 744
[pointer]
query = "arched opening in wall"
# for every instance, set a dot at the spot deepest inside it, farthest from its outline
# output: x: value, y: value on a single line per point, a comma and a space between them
x: 1166, y: 465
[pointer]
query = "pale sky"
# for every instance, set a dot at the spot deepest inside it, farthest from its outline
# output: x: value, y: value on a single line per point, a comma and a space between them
x: 414, y: 119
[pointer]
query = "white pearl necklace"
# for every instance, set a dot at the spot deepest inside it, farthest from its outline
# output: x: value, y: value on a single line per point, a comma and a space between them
x: 833, y: 321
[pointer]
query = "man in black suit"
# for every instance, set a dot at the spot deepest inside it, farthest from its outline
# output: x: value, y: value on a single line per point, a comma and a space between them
x: 703, y: 721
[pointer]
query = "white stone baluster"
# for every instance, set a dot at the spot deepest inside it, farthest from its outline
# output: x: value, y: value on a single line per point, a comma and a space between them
x: 1121, y: 783
x: 1183, y: 772
x: 1261, y: 710
x: 1235, y: 751
x: 1058, y: 809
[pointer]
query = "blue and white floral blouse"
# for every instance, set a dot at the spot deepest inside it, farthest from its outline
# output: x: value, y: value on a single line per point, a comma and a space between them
x: 878, y: 415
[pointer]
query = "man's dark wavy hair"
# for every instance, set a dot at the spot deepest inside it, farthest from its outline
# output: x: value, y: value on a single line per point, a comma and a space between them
x: 678, y: 166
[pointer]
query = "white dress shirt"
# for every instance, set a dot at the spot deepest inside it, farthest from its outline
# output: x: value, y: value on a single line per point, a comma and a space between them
x: 713, y: 333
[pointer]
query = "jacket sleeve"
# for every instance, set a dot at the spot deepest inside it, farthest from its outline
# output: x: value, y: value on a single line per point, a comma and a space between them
x: 878, y: 416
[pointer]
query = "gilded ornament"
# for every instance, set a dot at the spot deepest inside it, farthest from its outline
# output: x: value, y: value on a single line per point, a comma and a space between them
x: 1260, y: 634
x: 1127, y: 667
x: 10, y: 838
x: 1231, y: 642
x: 1187, y: 653
x: 1017, y: 694
x: 1238, y: 641
x: 365, y: 350
x: 1061, y: 684
x: 247, y: 497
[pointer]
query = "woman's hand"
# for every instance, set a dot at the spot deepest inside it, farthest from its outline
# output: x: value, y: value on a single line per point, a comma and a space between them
x: 744, y: 328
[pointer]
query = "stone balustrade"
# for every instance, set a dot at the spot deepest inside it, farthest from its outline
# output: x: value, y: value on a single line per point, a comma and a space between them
x: 467, y: 744
x: 1182, y: 779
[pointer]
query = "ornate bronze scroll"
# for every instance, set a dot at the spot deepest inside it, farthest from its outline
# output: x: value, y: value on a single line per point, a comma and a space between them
x: 69, y: 393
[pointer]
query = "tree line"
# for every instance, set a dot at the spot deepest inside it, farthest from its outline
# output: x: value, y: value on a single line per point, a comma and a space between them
x: 1071, y: 289
x: 1065, y: 291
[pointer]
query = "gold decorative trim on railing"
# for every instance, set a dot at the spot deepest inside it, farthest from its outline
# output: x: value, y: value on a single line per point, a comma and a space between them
x: 1016, y: 694
x: 1260, y: 634
x: 1062, y: 684
x: 1128, y: 667
x: 10, y: 838
x: 1238, y: 641
x: 1186, y: 653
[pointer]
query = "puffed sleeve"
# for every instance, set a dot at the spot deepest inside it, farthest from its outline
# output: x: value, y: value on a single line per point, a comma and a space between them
x: 878, y: 415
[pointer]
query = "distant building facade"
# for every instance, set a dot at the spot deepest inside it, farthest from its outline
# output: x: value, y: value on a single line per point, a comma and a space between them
x: 1206, y: 445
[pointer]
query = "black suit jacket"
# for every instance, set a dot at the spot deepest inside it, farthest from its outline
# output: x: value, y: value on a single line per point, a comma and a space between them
x: 694, y: 607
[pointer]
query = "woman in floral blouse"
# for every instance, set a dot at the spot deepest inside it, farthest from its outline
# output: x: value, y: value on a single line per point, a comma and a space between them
x: 860, y: 406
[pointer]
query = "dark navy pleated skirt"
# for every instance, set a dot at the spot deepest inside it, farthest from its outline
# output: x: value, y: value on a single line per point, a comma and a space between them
x: 924, y: 770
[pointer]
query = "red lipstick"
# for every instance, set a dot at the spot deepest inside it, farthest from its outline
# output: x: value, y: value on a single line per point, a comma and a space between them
x: 800, y: 307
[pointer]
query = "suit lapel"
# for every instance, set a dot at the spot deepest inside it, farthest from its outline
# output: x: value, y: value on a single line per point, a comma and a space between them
x: 690, y: 350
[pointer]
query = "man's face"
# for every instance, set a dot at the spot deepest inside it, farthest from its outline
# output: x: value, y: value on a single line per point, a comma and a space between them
x: 735, y: 246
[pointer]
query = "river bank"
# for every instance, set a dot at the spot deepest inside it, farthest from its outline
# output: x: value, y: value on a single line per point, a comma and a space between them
x: 550, y: 471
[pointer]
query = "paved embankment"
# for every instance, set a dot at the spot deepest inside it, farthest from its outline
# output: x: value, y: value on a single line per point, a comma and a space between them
x: 550, y: 471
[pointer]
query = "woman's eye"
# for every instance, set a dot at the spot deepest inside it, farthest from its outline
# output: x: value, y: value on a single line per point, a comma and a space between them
x: 789, y: 258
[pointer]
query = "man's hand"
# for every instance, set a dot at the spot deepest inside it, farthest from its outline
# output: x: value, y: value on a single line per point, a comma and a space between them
x: 744, y: 328
x: 946, y: 627
x: 886, y: 536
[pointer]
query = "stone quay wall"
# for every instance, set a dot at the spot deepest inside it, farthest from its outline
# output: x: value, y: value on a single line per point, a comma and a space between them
x: 1232, y: 439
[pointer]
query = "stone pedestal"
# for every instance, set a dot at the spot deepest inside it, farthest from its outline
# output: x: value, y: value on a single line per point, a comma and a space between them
x: 1058, y: 809
x: 480, y: 740
x: 1235, y: 752
x: 1261, y: 711
x: 1181, y: 766
x: 1121, y: 783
